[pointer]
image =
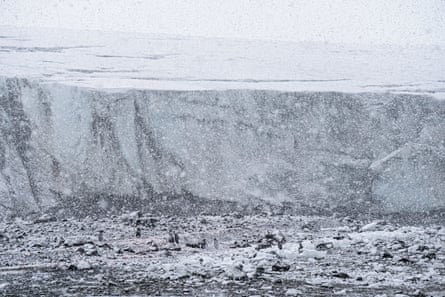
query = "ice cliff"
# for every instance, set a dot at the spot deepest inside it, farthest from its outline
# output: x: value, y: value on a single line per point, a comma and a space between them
x: 85, y: 116
x: 326, y: 149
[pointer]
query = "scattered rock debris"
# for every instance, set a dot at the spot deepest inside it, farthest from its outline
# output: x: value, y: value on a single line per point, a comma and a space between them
x: 299, y: 256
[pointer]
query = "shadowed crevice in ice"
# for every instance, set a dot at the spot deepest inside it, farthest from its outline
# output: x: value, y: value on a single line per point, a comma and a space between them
x: 19, y: 193
x: 147, y: 57
x: 245, y: 80
x: 54, y: 49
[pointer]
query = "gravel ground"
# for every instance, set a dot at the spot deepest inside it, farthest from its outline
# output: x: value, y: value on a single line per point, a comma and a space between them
x: 261, y: 255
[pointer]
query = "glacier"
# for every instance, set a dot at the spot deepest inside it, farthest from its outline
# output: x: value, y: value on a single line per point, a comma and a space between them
x: 218, y: 119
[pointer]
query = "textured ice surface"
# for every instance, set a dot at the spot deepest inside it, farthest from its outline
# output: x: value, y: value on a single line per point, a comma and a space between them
x: 99, y: 114
x: 129, y: 60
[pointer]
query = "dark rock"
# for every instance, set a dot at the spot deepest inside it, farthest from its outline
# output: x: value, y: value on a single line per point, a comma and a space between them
x: 78, y: 242
x: 92, y: 252
x: 398, y: 244
x: 342, y: 275
x: 104, y: 246
x: 242, y: 244
x: 338, y: 237
x: 430, y: 256
x: 387, y: 255
x: 324, y: 246
x: 173, y: 248
x: 310, y: 226
x: 406, y: 261
x: 39, y: 245
x: 197, y: 245
x: 280, y: 267
x: 259, y: 271
x: 422, y: 248
x: 45, y: 219
x: 128, y: 250
x: 238, y: 216
x: 269, y: 240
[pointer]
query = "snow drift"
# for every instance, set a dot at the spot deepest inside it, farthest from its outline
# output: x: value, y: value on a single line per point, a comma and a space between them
x: 324, y: 149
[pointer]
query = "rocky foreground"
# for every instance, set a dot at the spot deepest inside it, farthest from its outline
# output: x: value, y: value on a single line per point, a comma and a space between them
x: 262, y: 255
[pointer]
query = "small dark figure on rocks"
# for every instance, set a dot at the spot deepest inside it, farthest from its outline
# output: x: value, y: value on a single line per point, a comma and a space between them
x: 173, y: 237
x: 203, y: 244
x: 101, y: 235
x: 215, y: 243
x: 138, y: 219
x: 138, y: 232
x: 60, y: 241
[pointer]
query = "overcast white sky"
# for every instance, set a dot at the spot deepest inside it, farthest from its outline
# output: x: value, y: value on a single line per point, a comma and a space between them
x: 353, y: 21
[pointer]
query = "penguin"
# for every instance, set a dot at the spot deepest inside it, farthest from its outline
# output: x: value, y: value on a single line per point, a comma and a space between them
x: 203, y: 244
x: 176, y: 238
x: 139, y: 218
x: 173, y: 237
x: 138, y: 232
x: 215, y: 243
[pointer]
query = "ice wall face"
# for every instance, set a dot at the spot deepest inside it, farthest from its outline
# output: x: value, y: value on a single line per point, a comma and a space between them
x: 329, y: 150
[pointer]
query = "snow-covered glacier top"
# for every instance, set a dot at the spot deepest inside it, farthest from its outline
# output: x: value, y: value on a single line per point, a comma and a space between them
x: 113, y: 60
